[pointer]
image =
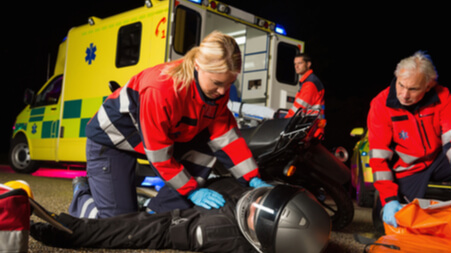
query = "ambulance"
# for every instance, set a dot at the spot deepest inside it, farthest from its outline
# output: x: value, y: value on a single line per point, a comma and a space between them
x: 51, y: 128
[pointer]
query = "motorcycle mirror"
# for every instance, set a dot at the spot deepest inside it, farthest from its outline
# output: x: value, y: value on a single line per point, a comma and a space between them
x: 341, y: 153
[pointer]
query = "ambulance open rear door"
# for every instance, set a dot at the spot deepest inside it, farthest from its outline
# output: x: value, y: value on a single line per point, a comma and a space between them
x: 192, y: 22
x: 283, y: 79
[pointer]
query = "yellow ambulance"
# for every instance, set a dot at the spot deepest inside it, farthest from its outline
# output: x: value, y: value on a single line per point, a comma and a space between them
x: 52, y: 125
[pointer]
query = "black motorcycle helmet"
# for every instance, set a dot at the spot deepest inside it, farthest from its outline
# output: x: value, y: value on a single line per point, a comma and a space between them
x: 283, y: 219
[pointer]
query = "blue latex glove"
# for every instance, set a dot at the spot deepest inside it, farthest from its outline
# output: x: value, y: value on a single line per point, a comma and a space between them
x: 206, y: 198
x: 256, y: 182
x: 389, y: 210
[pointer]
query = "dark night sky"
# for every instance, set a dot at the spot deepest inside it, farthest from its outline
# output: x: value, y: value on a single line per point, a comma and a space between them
x: 355, y: 46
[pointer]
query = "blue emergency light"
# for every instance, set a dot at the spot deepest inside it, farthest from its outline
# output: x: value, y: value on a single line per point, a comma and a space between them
x: 155, y: 182
x: 196, y: 1
x: 280, y: 30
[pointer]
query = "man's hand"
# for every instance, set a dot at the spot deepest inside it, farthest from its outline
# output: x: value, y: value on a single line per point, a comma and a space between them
x: 389, y: 210
x: 256, y: 182
x: 206, y: 198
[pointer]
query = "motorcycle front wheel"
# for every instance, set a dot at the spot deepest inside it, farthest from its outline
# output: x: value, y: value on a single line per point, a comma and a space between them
x: 334, y: 198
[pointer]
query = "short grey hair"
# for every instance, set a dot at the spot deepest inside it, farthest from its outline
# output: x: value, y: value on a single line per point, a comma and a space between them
x: 418, y: 62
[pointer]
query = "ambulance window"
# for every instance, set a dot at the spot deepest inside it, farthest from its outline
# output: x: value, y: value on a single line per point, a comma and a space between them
x: 285, y: 72
x: 129, y: 41
x: 187, y: 30
x: 50, y: 94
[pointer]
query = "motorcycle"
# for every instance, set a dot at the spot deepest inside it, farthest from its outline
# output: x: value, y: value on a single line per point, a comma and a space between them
x: 288, y: 151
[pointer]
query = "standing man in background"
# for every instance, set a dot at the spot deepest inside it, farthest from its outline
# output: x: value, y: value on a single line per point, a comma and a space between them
x: 310, y: 97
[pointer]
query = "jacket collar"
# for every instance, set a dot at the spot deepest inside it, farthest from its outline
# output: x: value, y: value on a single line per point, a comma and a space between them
x: 429, y: 98
x: 305, y: 75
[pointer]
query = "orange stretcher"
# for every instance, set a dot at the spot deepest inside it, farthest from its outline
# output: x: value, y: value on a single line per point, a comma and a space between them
x: 423, y: 226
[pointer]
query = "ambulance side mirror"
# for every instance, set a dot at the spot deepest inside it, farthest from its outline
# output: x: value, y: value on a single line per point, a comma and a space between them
x: 29, y: 97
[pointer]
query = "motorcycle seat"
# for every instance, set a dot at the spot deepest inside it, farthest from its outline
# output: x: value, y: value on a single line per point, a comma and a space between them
x: 262, y: 138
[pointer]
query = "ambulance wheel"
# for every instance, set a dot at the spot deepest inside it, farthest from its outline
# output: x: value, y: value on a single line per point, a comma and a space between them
x: 19, y: 156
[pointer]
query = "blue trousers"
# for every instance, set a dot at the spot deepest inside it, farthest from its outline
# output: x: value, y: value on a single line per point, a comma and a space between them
x: 415, y: 186
x: 111, y: 179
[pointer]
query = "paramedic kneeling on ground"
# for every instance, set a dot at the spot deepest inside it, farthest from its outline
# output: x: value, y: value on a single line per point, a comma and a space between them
x: 176, y: 113
x: 409, y: 134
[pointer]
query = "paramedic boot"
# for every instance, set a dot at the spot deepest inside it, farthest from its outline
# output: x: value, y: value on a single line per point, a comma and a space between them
x: 79, y: 183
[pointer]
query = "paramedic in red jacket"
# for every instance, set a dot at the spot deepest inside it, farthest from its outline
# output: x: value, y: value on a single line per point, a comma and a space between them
x: 409, y: 134
x: 310, y: 97
x: 311, y: 94
x: 176, y: 114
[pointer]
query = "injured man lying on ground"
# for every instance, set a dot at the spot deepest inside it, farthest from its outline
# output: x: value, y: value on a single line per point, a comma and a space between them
x: 268, y: 219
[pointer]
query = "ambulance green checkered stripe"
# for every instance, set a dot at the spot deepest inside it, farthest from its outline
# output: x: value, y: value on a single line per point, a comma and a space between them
x: 36, y: 118
x: 72, y: 109
x: 20, y: 126
x: 77, y: 113
x: 50, y: 129
x: 37, y: 114
x: 83, y: 123
x: 37, y: 111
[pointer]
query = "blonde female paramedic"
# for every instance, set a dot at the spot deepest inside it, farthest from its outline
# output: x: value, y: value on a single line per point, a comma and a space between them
x: 176, y: 114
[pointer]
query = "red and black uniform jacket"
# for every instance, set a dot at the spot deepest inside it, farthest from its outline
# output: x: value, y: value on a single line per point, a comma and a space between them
x: 310, y: 97
x: 404, y: 140
x: 149, y: 115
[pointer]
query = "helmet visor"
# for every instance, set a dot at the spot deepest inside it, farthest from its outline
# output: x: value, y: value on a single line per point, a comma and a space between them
x: 247, y: 208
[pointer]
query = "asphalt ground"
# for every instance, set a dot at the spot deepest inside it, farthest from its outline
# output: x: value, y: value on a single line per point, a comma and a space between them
x: 55, y: 194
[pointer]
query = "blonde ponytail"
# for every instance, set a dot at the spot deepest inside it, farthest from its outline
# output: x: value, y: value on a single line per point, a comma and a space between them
x: 218, y: 53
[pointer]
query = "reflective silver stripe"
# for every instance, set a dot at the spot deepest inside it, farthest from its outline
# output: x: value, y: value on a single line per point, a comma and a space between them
x: 112, y: 132
x: 85, y: 207
x: 448, y: 154
x: 180, y: 179
x: 199, y: 158
x: 159, y: 155
x: 243, y: 168
x: 124, y: 103
x: 381, y: 153
x: 93, y: 213
x: 445, y: 138
x: 222, y: 141
x: 406, y: 158
x: 125, y: 146
x: 383, y: 175
x: 124, y: 100
x: 316, y: 107
x: 302, y: 103
x: 400, y: 168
